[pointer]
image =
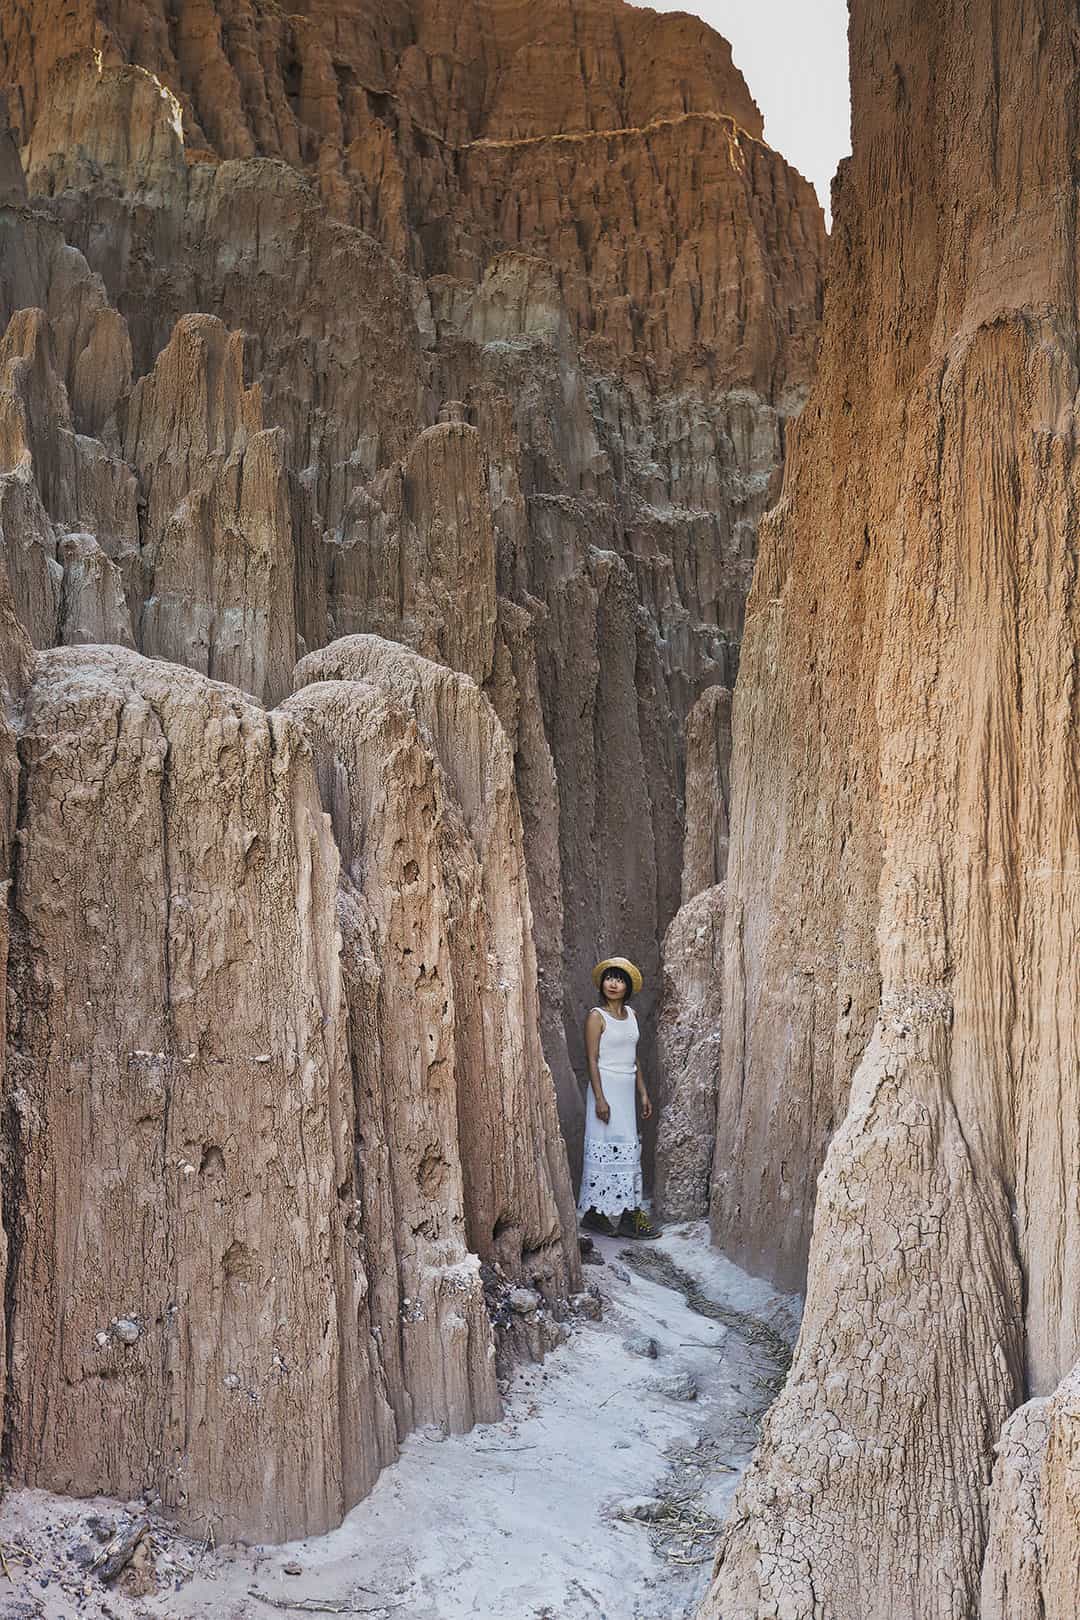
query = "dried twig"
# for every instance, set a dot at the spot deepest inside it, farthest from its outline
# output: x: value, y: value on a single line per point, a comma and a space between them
x: 4, y: 1564
x: 117, y: 1554
x: 319, y: 1606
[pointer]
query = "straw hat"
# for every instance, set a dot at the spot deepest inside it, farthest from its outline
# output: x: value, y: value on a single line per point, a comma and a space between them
x: 618, y: 962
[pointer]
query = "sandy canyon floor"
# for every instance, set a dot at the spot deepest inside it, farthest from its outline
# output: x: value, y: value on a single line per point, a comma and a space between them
x: 597, y: 1497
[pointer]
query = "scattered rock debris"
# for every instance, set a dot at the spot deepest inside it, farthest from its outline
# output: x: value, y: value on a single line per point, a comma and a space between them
x: 586, y: 1305
x: 586, y: 1455
x: 80, y: 1560
x: 117, y: 1554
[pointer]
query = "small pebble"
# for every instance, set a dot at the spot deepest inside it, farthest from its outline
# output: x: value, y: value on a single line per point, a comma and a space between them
x: 645, y: 1509
x: 679, y: 1387
x: 293, y: 1569
x: 639, y: 1344
x: 523, y: 1301
x: 587, y: 1305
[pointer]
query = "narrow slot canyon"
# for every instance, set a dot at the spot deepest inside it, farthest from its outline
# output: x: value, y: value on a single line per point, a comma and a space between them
x: 467, y: 524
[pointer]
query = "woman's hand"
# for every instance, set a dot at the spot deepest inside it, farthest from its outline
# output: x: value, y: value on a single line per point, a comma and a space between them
x: 603, y: 1109
x: 646, y: 1105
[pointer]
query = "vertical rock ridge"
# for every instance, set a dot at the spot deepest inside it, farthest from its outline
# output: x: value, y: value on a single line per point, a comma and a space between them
x: 664, y: 266
x: 1031, y: 1564
x: 405, y: 856
x: 474, y: 329
x: 692, y: 1006
x: 898, y: 1005
x: 518, y: 1210
x: 185, y: 1294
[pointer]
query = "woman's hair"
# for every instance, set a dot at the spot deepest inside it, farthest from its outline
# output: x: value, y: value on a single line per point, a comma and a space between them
x: 618, y: 973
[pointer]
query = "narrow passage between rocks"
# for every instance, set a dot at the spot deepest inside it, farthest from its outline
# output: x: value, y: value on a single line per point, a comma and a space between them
x: 597, y: 1497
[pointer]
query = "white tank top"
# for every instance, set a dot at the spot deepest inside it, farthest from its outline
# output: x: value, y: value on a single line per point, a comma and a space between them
x: 618, y: 1043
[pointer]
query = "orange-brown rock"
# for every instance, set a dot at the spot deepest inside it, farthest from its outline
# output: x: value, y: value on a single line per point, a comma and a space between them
x: 476, y: 329
x: 406, y: 869
x: 188, y: 1302
x: 216, y: 538
x: 579, y: 246
x: 518, y: 1207
x: 900, y: 987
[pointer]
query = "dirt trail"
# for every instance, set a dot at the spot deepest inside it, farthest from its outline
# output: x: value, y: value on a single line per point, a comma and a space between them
x: 597, y: 1497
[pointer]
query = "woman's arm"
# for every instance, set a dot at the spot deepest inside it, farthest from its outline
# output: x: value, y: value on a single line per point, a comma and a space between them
x: 594, y: 1028
x: 646, y: 1101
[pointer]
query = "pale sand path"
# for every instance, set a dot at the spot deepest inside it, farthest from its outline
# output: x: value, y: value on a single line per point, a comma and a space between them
x: 515, y: 1520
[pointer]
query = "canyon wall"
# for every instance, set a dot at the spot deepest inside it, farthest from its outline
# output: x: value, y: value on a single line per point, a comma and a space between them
x: 900, y: 978
x: 691, y: 1013
x: 553, y: 233
x: 387, y: 404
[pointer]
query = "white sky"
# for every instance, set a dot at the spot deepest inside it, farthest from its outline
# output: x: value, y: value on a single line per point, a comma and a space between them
x: 793, y: 55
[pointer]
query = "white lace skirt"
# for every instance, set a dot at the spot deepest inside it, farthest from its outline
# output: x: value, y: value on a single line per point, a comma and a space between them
x: 611, y: 1172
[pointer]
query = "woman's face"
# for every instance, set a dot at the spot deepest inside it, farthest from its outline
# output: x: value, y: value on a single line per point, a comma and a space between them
x: 613, y: 986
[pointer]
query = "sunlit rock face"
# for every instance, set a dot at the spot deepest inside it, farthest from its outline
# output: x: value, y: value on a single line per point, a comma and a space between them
x: 558, y: 232
x: 388, y: 401
x: 900, y: 985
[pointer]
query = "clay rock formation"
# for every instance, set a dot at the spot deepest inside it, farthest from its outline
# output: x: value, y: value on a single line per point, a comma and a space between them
x: 690, y: 1022
x: 1032, y: 1567
x: 215, y: 542
x: 416, y: 555
x: 189, y: 1305
x: 326, y: 1085
x: 899, y: 999
x: 390, y: 808
x: 518, y: 1204
x: 447, y: 353
x: 708, y: 791
x: 690, y: 1032
x: 514, y: 307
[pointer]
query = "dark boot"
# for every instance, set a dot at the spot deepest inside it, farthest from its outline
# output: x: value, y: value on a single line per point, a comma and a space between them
x: 636, y: 1224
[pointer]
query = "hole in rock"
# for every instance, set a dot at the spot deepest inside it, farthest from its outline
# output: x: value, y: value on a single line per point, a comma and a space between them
x: 382, y: 106
x: 238, y: 1264
x: 431, y: 1173
x: 212, y: 1163
x: 291, y: 78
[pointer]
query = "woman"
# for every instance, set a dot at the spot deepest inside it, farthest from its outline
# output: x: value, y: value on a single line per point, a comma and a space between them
x: 611, y: 1175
